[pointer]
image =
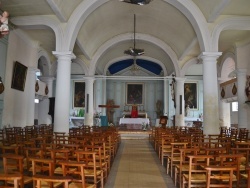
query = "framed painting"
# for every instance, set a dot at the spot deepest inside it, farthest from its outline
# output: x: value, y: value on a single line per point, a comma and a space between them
x: 79, y: 94
x: 191, y: 95
x: 134, y: 93
x: 19, y: 76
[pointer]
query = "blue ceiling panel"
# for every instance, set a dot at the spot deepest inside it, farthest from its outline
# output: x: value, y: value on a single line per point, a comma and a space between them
x: 120, y: 65
x: 148, y: 65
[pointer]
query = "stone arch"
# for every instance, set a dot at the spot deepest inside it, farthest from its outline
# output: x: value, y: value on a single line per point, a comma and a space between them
x: 107, y: 45
x: 236, y: 23
x: 82, y: 65
x: 187, y: 65
x: 44, y: 61
x: 198, y: 21
x: 43, y: 21
x: 227, y: 67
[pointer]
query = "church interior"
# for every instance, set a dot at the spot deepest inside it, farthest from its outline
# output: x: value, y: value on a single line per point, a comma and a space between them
x: 88, y: 69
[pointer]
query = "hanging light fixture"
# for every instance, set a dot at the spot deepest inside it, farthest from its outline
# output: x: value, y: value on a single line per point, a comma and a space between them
x: 134, y: 67
x: 137, y: 2
x: 134, y: 52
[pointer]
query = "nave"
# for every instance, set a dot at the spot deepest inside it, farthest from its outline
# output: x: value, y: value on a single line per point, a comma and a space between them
x: 137, y: 165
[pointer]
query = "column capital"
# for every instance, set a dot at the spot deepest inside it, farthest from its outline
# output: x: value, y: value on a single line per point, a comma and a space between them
x: 209, y: 56
x: 242, y: 72
x: 33, y: 69
x: 67, y: 55
x: 179, y: 79
x: 46, y: 78
x: 89, y: 78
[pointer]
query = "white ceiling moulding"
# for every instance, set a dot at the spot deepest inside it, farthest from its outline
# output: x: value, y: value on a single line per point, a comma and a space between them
x: 127, y: 77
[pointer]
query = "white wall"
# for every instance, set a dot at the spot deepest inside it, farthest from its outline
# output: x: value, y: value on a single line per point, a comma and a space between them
x: 153, y: 91
x: 3, y: 53
x: 16, y: 103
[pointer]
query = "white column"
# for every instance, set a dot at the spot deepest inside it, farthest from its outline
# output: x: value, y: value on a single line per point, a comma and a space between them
x: 166, y: 102
x: 89, y: 110
x: 98, y: 95
x: 224, y: 114
x: 43, y: 106
x: 104, y: 96
x: 179, y: 99
x: 224, y: 111
x: 242, y: 106
x: 31, y: 82
x: 210, y: 92
x: 62, y: 97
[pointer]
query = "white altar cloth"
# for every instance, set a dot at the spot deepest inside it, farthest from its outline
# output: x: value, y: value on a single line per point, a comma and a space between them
x: 134, y: 121
x: 76, y: 121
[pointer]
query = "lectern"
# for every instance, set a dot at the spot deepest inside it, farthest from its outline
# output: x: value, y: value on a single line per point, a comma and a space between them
x: 163, y: 121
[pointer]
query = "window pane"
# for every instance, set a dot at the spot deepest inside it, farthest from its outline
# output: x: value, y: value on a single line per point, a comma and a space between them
x: 234, y: 106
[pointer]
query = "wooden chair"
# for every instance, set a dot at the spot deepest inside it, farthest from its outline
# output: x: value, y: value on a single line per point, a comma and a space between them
x: 16, y: 178
x: 16, y: 167
x: 175, y: 155
x: 196, y: 176
x: 59, y: 155
x: 31, y: 152
x: 44, y: 166
x: 232, y: 160
x: 79, y: 172
x: 40, y: 180
x: 91, y: 170
x: 165, y: 149
x: 183, y: 165
x: 220, y: 176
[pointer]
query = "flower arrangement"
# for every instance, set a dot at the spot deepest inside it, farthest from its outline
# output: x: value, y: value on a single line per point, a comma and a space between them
x: 111, y: 125
x: 97, y: 114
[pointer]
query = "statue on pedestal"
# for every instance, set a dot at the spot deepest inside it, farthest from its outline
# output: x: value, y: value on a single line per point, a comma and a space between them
x: 187, y: 111
x: 134, y: 112
x: 158, y: 108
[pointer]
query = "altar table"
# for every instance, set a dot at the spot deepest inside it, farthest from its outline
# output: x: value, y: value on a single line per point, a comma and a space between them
x: 76, y: 121
x: 134, y: 121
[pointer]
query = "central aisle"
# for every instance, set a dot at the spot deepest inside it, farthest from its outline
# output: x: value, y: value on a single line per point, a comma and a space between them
x: 137, y: 166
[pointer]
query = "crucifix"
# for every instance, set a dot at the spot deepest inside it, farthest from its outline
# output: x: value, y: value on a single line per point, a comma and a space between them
x: 110, y: 109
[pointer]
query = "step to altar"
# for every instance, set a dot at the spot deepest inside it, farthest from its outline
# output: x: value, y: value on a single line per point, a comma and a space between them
x: 134, y: 135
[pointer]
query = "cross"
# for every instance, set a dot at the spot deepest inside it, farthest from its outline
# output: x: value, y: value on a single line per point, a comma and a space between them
x: 110, y: 106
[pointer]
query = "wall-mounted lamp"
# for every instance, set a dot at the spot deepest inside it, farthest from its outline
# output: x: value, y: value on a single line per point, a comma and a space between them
x: 1, y: 85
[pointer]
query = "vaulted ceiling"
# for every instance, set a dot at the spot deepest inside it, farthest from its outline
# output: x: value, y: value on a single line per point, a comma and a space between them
x: 106, y: 29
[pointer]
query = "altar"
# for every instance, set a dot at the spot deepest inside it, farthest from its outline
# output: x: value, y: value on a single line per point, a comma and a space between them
x: 76, y: 121
x: 140, y: 114
x: 189, y: 121
x: 134, y: 123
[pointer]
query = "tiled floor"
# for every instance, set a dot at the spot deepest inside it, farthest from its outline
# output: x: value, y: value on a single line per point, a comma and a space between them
x: 137, y: 166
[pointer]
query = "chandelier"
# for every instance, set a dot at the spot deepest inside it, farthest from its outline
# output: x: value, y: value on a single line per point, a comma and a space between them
x: 137, y: 2
x: 134, y: 67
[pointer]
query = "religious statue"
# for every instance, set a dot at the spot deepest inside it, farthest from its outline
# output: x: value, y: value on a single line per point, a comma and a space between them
x: 187, y: 111
x: 247, y: 89
x: 4, y: 28
x: 158, y: 108
x: 134, y: 112
x: 110, y: 111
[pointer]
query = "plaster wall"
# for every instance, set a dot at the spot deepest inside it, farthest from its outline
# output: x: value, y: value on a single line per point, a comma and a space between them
x: 3, y: 53
x: 16, y: 103
x: 153, y: 91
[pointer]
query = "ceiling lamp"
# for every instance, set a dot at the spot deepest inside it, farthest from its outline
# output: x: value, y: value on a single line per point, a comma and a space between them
x: 137, y: 2
x: 134, y: 51
x: 134, y: 67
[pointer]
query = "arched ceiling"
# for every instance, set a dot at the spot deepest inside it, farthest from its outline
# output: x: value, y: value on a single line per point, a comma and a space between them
x: 158, y: 21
